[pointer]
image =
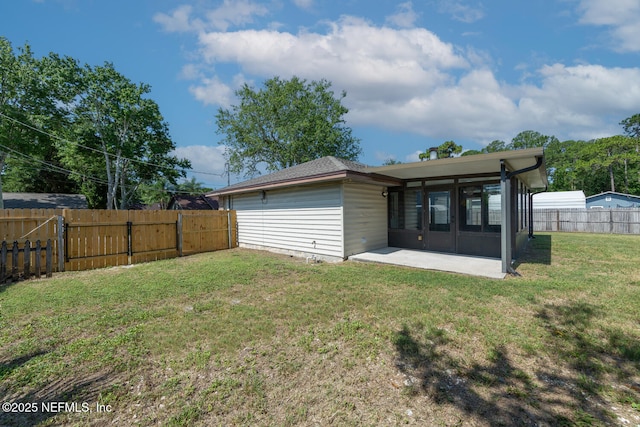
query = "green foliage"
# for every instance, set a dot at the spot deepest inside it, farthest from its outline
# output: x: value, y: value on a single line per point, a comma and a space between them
x: 156, y: 192
x: 604, y: 164
x: 286, y: 123
x: 66, y: 128
x: 32, y: 96
x: 495, y: 146
x: 192, y: 187
x: 391, y: 161
x: 631, y: 126
x: 446, y: 149
x: 128, y: 140
x: 530, y: 139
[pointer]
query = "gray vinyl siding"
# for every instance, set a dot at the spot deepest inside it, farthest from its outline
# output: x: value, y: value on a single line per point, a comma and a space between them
x: 365, y: 218
x: 306, y: 220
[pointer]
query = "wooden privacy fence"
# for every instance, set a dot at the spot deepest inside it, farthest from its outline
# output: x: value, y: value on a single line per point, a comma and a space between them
x: 615, y: 220
x: 84, y: 239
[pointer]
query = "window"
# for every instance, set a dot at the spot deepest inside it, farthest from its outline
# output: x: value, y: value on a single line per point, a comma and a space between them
x: 405, y: 209
x: 491, y: 192
x: 480, y: 208
x: 439, y: 211
x: 471, y: 208
x: 413, y: 209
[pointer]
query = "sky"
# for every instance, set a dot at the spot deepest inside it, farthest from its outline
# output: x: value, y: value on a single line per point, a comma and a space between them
x: 416, y: 73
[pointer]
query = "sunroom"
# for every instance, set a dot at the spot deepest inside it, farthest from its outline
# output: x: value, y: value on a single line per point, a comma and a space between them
x: 473, y: 205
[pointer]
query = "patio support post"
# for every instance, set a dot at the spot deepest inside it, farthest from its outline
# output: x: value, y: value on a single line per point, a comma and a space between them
x: 505, y: 218
x: 530, y: 214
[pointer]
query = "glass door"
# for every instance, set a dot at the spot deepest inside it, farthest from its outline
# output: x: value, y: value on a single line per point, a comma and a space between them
x: 439, y: 221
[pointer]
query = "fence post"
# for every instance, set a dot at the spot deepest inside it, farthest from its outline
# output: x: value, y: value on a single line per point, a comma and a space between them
x: 27, y: 259
x: 229, y: 227
x: 61, y: 243
x: 14, y: 260
x: 49, y: 258
x: 179, y: 234
x: 3, y: 262
x: 129, y: 240
x: 38, y: 258
x: 610, y: 220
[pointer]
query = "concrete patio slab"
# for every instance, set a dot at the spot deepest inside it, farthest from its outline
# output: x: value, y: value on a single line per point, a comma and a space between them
x: 463, y: 264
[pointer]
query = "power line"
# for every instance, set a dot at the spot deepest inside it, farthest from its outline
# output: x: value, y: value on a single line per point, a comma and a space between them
x: 102, y: 152
x: 53, y: 168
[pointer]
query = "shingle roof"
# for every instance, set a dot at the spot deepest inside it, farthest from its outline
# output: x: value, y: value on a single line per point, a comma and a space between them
x: 44, y: 200
x: 187, y: 202
x: 324, y: 166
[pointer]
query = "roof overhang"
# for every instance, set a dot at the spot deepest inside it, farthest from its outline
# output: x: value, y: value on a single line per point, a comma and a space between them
x: 479, y: 164
x: 368, y: 178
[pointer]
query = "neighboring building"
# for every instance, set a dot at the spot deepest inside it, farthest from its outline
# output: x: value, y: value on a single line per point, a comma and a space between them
x: 186, y: 202
x: 611, y: 199
x: 44, y: 201
x: 333, y: 208
x: 560, y: 200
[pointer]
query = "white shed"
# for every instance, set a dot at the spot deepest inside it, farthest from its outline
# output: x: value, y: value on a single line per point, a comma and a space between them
x: 560, y: 200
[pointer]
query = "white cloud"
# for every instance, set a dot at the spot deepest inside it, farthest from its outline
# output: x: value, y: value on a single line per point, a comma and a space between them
x: 409, y: 80
x: 212, y: 91
x: 229, y: 13
x: 372, y: 63
x: 622, y: 16
x: 235, y: 12
x: 190, y: 72
x: 303, y: 4
x: 413, y: 157
x: 461, y: 12
x: 581, y: 98
x: 383, y: 156
x: 178, y: 21
x: 405, y: 17
x: 208, y: 159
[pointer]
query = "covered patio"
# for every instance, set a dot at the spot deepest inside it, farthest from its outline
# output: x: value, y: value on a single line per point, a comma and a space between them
x: 477, y: 205
x: 453, y: 263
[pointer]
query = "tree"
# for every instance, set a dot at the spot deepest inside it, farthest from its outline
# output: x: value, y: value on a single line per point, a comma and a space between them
x: 530, y: 139
x: 156, y: 192
x: 391, y: 161
x: 124, y: 139
x: 192, y: 187
x: 286, y: 123
x: 31, y: 109
x: 561, y: 159
x: 470, y: 153
x: 495, y: 146
x: 609, y: 154
x: 631, y: 126
x: 445, y: 150
x: 448, y: 149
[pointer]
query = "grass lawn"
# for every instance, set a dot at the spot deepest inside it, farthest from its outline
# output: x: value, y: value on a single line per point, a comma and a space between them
x: 244, y: 337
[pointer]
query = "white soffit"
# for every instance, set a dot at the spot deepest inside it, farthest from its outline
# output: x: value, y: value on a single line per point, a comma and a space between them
x: 472, y: 165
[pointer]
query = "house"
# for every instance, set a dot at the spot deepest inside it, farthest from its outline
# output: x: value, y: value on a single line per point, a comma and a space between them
x: 44, y: 201
x: 189, y: 202
x: 332, y: 208
x: 611, y: 199
x: 560, y: 200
